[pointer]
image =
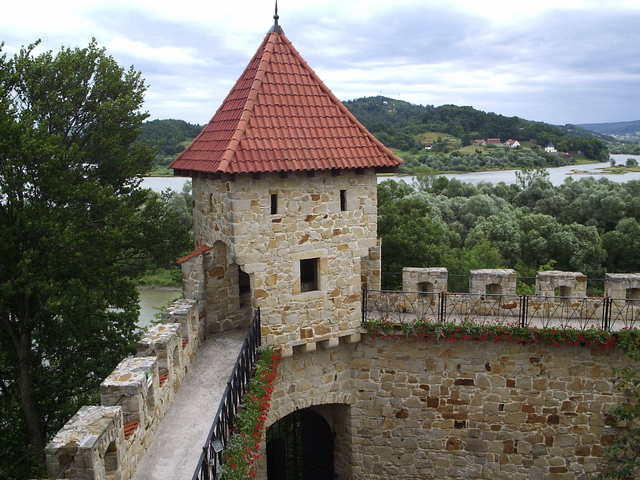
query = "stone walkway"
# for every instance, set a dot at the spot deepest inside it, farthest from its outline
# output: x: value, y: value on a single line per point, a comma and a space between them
x: 178, y: 442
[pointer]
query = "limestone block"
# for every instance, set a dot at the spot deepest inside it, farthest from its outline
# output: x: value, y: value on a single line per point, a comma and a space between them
x: 556, y: 283
x: 91, y: 446
x: 133, y: 386
x: 185, y: 313
x: 622, y: 285
x: 493, y: 281
x: 424, y: 279
x: 164, y: 341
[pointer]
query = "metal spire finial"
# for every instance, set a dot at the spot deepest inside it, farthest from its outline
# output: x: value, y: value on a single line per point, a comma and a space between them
x: 276, y: 17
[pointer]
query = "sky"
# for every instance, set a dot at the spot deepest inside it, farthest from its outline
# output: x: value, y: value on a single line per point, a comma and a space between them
x: 558, y: 61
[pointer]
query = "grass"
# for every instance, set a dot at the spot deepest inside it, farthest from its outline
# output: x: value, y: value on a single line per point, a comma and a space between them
x: 160, y: 171
x: 619, y: 169
x: 428, y: 138
x: 582, y: 160
x: 162, y: 277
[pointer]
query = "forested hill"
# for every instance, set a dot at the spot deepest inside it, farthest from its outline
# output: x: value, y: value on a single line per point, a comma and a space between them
x: 169, y: 137
x: 408, y: 127
x: 615, y: 128
x: 398, y: 124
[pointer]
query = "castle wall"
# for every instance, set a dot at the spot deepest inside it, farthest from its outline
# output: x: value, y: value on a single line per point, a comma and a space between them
x: 472, y: 410
x: 108, y: 442
x: 309, y: 224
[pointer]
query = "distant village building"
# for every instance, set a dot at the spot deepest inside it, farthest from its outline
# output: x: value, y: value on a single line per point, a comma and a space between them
x: 511, y: 143
x: 550, y: 148
x: 487, y: 141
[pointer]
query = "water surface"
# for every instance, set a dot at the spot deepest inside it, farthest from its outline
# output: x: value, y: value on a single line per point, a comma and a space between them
x: 152, y: 299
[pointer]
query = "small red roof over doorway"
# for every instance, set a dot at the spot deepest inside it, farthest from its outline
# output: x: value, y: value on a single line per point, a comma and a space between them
x: 280, y: 117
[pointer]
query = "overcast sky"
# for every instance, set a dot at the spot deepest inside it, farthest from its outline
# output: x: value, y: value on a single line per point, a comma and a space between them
x: 559, y: 61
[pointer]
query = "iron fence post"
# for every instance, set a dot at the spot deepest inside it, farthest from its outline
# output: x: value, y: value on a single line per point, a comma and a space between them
x: 524, y: 310
x: 364, y: 304
x: 442, y: 311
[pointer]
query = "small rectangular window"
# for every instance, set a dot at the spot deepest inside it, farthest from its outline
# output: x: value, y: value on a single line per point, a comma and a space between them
x: 309, y: 275
x: 343, y: 200
x: 274, y: 203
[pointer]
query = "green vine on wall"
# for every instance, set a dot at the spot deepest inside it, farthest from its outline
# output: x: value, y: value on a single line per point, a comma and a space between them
x: 243, y: 450
x: 623, y: 455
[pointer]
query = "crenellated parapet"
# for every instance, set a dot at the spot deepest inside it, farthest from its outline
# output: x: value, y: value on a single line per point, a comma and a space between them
x: 555, y: 283
x: 107, y: 442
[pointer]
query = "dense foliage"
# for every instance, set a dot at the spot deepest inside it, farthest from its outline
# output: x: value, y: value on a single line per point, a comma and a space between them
x: 623, y: 455
x: 628, y: 148
x: 397, y: 124
x: 167, y: 138
x: 494, y: 159
x: 75, y: 233
x: 591, y: 226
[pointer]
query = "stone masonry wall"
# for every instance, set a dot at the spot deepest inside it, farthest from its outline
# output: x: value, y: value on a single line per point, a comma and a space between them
x: 309, y: 224
x: 107, y: 442
x: 467, y: 410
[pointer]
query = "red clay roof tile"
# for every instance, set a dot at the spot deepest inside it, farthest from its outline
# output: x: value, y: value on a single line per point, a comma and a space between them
x: 279, y: 116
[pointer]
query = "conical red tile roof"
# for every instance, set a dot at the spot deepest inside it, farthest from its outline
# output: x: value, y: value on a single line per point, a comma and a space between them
x: 280, y: 117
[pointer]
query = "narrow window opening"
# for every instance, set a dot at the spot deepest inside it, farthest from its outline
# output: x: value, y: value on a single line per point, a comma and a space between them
x: 343, y: 200
x: 274, y: 203
x: 244, y: 286
x: 309, y: 275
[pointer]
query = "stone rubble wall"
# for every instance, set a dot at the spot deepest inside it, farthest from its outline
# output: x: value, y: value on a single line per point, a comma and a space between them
x: 471, y: 410
x: 371, y: 268
x: 107, y: 442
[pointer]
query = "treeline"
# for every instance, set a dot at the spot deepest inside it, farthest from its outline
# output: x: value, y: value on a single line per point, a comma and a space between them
x: 591, y: 226
x: 167, y: 138
x: 496, y: 158
x: 397, y: 123
x: 628, y: 148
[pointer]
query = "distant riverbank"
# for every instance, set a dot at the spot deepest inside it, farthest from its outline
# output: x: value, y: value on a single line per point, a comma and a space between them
x: 557, y: 175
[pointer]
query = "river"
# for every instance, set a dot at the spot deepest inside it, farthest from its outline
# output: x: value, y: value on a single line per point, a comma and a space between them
x: 557, y: 175
x: 152, y: 299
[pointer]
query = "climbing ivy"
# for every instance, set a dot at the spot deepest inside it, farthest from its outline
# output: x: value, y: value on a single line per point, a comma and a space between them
x: 623, y: 456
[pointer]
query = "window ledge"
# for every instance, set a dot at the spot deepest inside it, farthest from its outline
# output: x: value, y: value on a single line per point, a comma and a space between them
x: 312, y: 294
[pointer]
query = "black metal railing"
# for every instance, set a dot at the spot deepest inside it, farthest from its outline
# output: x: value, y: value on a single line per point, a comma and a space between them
x: 210, y: 463
x: 536, y: 311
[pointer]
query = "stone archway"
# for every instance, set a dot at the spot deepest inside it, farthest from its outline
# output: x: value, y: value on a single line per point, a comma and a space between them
x: 301, y: 446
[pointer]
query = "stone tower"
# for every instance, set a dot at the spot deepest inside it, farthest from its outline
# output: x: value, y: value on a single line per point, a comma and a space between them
x: 284, y: 184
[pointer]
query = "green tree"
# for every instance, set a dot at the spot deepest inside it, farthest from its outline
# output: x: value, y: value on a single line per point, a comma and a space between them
x: 72, y: 237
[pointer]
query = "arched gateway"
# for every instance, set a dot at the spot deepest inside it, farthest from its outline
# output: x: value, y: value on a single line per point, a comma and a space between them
x: 300, y: 446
